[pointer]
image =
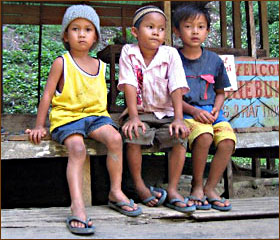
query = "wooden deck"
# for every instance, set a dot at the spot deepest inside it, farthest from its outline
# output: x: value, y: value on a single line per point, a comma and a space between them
x: 256, y: 218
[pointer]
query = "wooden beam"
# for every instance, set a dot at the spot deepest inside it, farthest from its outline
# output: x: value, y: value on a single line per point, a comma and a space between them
x: 236, y: 16
x: 223, y: 23
x: 27, y: 14
x: 264, y: 26
x: 167, y: 11
x: 251, y: 31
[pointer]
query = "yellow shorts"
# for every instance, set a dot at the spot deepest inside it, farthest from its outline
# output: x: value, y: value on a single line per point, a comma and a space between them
x: 219, y: 131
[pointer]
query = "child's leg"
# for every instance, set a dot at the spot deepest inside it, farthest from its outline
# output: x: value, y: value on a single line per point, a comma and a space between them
x: 200, y: 149
x: 175, y: 166
x: 134, y: 158
x: 113, y: 141
x: 77, y: 155
x: 224, y: 139
x: 219, y: 163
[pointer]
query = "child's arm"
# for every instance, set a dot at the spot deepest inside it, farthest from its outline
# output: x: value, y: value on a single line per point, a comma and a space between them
x: 178, y: 123
x: 219, y: 102
x: 40, y: 131
x: 134, y: 122
x: 198, y: 114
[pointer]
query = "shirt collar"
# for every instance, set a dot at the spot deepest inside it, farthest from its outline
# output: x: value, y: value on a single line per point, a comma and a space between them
x: 159, y: 58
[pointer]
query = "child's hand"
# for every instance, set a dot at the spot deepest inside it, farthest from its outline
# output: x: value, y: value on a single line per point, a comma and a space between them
x: 203, y: 116
x: 180, y: 128
x: 215, y: 112
x: 36, y: 134
x: 131, y: 125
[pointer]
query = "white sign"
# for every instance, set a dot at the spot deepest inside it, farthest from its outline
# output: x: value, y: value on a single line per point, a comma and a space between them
x: 230, y: 68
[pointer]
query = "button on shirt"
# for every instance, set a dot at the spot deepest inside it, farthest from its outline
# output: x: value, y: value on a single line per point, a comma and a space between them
x: 164, y: 75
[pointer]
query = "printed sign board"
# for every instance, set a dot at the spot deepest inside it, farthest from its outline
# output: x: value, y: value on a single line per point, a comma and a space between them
x: 256, y: 101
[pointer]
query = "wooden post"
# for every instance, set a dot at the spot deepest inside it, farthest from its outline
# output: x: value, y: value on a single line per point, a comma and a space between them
x: 256, y: 167
x: 251, y: 31
x: 39, y: 57
x: 236, y: 24
x: 270, y: 163
x: 228, y: 181
x: 167, y: 11
x: 264, y: 26
x: 87, y: 183
x: 223, y: 23
x: 123, y: 24
x: 2, y: 99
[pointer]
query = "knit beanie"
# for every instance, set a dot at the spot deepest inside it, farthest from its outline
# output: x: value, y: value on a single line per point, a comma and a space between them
x: 80, y: 11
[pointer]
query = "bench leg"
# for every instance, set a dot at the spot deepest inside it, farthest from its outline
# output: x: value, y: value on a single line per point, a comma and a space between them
x: 256, y: 167
x: 228, y: 181
x: 270, y: 163
x: 87, y: 183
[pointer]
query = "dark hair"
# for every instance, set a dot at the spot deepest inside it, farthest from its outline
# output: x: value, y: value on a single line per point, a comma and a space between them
x: 190, y: 10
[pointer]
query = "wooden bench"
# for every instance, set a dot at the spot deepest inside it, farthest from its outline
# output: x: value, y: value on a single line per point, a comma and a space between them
x: 17, y: 146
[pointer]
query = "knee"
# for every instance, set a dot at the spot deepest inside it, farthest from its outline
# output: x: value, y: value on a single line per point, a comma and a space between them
x: 115, y: 142
x: 226, y: 145
x: 77, y: 149
x: 205, y: 140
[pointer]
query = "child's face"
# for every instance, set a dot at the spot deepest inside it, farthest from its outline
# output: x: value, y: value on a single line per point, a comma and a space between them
x: 151, y: 32
x: 193, y: 31
x: 81, y: 34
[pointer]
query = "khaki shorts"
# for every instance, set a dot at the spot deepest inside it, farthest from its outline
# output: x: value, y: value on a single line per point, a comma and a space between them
x: 157, y: 132
x: 219, y: 131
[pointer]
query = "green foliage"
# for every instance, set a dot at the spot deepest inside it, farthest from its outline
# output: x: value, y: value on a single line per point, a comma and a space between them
x: 20, y: 66
x: 273, y: 30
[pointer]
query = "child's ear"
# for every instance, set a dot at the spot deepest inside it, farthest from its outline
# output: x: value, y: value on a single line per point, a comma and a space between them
x: 65, y: 36
x: 134, y: 32
x: 177, y: 32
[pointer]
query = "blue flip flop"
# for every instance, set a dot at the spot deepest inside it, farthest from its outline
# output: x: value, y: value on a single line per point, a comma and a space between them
x: 160, y: 200
x: 187, y: 209
x: 225, y: 208
x: 82, y: 231
x: 202, y: 201
x: 118, y: 207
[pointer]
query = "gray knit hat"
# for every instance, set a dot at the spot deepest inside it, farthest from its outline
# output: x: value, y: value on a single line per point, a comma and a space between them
x: 80, y: 11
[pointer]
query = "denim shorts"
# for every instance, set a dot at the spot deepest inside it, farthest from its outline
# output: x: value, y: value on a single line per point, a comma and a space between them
x: 82, y: 126
x: 157, y: 132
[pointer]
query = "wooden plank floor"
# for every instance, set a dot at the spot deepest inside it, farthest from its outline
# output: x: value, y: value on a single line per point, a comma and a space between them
x: 256, y: 218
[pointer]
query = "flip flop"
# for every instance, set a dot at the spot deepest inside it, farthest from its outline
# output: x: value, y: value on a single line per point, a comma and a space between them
x: 187, y: 209
x: 202, y: 201
x: 82, y: 231
x: 225, y: 208
x: 160, y: 200
x: 118, y: 207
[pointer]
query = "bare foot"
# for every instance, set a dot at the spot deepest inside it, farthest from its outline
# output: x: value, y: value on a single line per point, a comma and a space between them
x: 119, y: 196
x: 211, y: 193
x: 78, y: 210
x: 174, y: 194
x: 145, y: 193
x: 197, y: 192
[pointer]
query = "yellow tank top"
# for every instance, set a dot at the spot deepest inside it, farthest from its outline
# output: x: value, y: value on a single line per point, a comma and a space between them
x: 83, y: 94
